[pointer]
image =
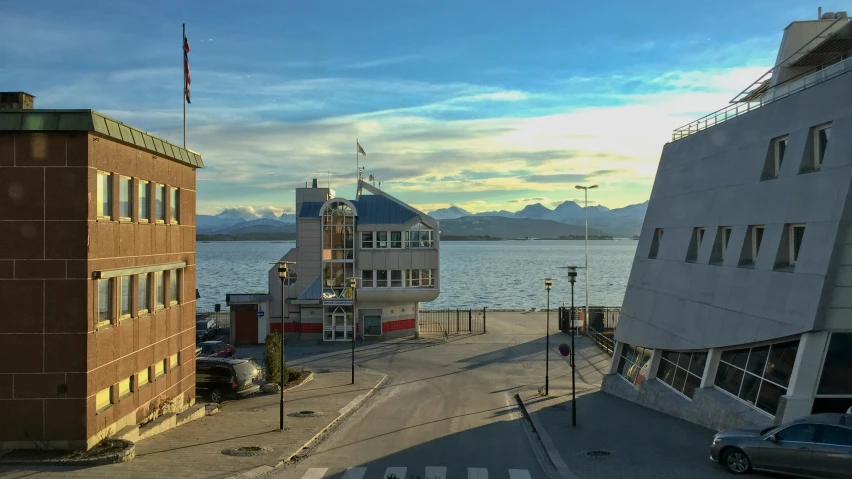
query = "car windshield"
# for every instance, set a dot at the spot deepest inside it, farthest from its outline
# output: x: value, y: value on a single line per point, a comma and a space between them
x: 208, y: 348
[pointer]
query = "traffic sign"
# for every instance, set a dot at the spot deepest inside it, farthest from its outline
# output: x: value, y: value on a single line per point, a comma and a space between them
x: 359, y: 339
x: 260, y: 314
x: 564, y: 349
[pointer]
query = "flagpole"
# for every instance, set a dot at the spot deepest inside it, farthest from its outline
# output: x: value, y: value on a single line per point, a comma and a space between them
x: 183, y: 93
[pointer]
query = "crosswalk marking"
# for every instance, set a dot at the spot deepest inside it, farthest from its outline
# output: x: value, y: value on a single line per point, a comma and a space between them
x: 436, y: 473
x: 355, y: 473
x: 395, y: 471
x: 519, y: 474
x: 315, y: 473
x: 477, y: 473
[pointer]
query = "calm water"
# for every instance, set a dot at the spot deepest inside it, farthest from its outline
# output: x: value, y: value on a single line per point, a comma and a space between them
x: 505, y: 274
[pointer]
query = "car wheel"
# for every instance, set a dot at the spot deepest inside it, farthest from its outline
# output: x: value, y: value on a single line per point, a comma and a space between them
x: 216, y: 396
x: 736, y: 461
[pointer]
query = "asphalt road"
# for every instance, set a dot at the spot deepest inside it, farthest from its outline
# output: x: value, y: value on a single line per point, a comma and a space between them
x: 447, y: 409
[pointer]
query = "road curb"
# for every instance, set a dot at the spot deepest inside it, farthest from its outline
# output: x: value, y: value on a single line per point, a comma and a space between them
x: 257, y: 471
x: 549, y: 447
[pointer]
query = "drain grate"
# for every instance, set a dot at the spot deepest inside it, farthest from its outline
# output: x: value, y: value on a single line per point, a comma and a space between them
x: 598, y: 453
x: 305, y: 414
x: 247, y: 451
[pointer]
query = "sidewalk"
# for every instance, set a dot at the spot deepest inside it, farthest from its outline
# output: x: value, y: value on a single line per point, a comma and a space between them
x: 195, y: 449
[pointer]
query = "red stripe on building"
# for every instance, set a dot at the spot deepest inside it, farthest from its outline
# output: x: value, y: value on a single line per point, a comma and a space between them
x: 398, y: 325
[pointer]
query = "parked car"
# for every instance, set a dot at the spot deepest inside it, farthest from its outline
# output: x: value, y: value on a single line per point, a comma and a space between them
x: 819, y: 445
x: 205, y: 329
x: 223, y: 378
x: 215, y: 349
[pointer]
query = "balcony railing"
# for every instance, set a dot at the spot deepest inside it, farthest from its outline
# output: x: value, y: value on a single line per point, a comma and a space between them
x: 773, y: 94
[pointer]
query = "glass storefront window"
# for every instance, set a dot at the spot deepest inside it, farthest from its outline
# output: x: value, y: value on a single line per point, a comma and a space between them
x: 633, y: 364
x: 682, y: 370
x: 758, y: 376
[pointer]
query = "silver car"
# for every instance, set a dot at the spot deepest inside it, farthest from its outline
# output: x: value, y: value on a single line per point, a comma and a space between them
x: 818, y: 446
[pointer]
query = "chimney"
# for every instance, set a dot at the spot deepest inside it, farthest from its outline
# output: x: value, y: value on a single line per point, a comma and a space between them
x: 314, y: 184
x: 16, y: 100
x: 819, y: 13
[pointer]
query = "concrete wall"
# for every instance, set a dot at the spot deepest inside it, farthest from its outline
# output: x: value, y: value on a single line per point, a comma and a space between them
x: 712, y: 179
x: 802, y: 36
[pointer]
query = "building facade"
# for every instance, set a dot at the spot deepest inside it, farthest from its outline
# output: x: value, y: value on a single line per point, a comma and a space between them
x: 391, y: 249
x: 97, y: 277
x: 738, y: 310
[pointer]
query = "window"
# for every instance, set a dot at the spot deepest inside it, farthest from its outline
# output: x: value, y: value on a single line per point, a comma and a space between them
x: 381, y: 278
x: 695, y: 244
x: 655, y: 243
x: 682, y: 371
x: 161, y: 289
x: 396, y: 239
x: 104, y: 195
x: 174, y: 286
x: 821, y: 137
x: 126, y: 293
x: 144, y: 296
x: 836, y: 436
x: 381, y: 239
x: 159, y: 368
x: 760, y: 375
x: 144, y: 207
x: 174, y: 360
x: 143, y: 377
x: 797, y: 433
x: 414, y: 278
x: 366, y: 240
x: 791, y: 243
x: 751, y: 246
x: 103, y: 399
x: 396, y: 278
x: 367, y: 278
x: 104, y: 301
x: 720, y: 246
x: 836, y: 376
x: 774, y: 158
x: 633, y: 364
x: 124, y: 387
x: 125, y: 198
x: 372, y: 325
x: 160, y: 203
x: 174, y: 206
x: 797, y: 232
x: 420, y: 236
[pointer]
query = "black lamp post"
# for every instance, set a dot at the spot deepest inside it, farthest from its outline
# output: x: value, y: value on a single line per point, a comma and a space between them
x: 572, y: 276
x: 353, y: 284
x: 548, y: 283
x: 283, y: 270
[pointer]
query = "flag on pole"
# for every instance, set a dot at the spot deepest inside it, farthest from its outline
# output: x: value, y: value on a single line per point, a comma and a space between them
x: 361, y: 150
x: 187, y: 80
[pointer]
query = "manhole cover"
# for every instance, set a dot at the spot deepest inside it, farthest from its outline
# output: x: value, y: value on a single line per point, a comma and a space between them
x: 598, y: 453
x: 305, y: 414
x: 247, y: 451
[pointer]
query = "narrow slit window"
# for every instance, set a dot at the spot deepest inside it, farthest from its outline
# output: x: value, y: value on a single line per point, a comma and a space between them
x: 655, y: 243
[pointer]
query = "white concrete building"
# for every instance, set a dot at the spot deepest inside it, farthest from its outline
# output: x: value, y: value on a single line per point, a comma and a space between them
x: 738, y: 309
x: 391, y: 248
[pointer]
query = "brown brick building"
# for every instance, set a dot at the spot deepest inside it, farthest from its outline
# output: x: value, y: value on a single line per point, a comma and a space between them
x: 97, y: 276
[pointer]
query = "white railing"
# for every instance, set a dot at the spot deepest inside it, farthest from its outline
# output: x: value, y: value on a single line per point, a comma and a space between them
x: 773, y: 94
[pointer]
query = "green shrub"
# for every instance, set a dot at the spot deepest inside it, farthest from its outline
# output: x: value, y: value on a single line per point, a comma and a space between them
x: 272, y: 360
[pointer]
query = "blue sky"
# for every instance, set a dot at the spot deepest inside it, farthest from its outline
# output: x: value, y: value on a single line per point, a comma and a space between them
x: 483, y: 104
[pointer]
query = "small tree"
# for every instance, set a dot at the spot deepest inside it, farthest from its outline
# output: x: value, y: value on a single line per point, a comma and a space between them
x: 272, y: 359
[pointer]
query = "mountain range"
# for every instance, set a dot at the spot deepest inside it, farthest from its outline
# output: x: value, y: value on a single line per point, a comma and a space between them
x: 237, y: 221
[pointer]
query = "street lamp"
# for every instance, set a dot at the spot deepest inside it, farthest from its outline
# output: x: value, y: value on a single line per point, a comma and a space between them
x: 572, y: 275
x: 548, y: 283
x: 353, y: 284
x: 283, y: 273
x: 586, y: 210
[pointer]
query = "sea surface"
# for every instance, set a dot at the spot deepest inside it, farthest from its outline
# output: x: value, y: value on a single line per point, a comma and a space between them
x: 474, y: 274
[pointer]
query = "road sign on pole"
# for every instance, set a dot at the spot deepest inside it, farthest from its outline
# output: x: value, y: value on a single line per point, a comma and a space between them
x: 564, y: 350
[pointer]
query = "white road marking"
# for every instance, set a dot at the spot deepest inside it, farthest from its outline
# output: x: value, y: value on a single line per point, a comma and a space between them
x: 477, y: 473
x: 436, y: 473
x: 519, y: 474
x: 315, y: 473
x: 396, y: 471
x: 356, y: 473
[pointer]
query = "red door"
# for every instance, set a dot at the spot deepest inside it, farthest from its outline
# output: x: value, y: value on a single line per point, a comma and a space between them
x: 246, y: 324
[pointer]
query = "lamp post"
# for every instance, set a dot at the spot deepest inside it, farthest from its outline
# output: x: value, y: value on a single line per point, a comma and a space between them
x: 572, y: 275
x: 586, y: 211
x: 283, y: 270
x: 353, y: 284
x: 548, y: 283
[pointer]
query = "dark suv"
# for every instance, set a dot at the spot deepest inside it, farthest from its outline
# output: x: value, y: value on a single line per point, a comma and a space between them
x: 221, y: 378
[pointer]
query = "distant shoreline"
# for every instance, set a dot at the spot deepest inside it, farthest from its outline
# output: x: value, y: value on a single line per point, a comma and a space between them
x: 271, y: 237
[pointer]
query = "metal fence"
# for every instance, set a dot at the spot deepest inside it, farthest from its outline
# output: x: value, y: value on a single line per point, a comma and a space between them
x: 223, y: 318
x: 600, y: 326
x: 452, y: 321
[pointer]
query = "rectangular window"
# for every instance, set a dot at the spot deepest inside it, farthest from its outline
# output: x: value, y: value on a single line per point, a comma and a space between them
x: 751, y: 246
x: 780, y: 147
x: 144, y: 206
x: 381, y: 278
x: 381, y: 239
x: 125, y: 198
x: 174, y: 360
x: 633, y: 364
x: 756, y: 238
x: 159, y: 368
x: 161, y: 289
x: 822, y: 135
x: 695, y: 244
x: 103, y: 399
x: 104, y: 195
x: 160, y: 203
x: 105, y: 301
x: 720, y: 246
x: 367, y: 278
x: 372, y: 325
x: 174, y: 286
x: 836, y: 376
x: 144, y: 292
x: 759, y: 376
x: 396, y: 239
x: 174, y: 206
x: 126, y: 294
x: 124, y: 389
x: 413, y: 278
x: 366, y: 240
x: 396, y: 278
x: 682, y: 371
x: 655, y: 243
x: 143, y: 377
x: 796, y: 233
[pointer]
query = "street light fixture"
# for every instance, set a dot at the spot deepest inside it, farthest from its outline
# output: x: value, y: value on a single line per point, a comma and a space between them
x: 353, y: 284
x: 286, y: 280
x: 572, y: 275
x: 548, y: 283
x: 586, y: 210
